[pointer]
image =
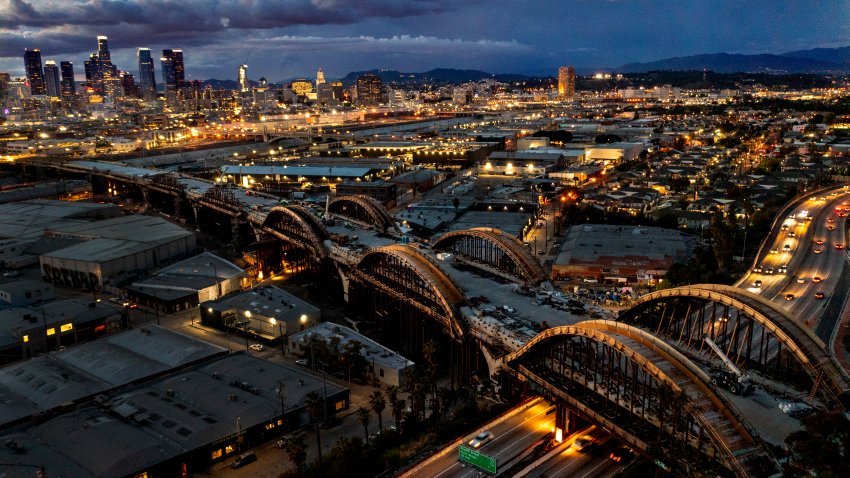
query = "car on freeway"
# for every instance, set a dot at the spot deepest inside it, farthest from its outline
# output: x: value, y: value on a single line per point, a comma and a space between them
x: 621, y: 454
x: 757, y: 284
x: 768, y: 270
x: 256, y: 347
x: 786, y: 247
x: 839, y: 246
x: 816, y: 279
x: 830, y: 227
x: 581, y: 443
x: 480, y: 439
x: 243, y: 460
x: 757, y: 270
x: 785, y: 227
x: 774, y: 251
x: 789, y: 296
x: 783, y: 269
x: 801, y: 280
x: 791, y: 234
x: 808, y: 217
x: 817, y: 251
x: 819, y: 242
x: 819, y: 295
x: 830, y: 220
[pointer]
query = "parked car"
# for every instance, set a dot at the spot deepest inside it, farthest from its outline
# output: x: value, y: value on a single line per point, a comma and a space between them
x: 256, y: 347
x: 303, y: 362
x: 243, y: 460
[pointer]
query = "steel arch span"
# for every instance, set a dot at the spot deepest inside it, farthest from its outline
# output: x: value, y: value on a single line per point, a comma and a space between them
x: 751, y: 330
x: 406, y: 274
x: 642, y: 390
x: 363, y: 209
x: 494, y: 248
x: 296, y: 225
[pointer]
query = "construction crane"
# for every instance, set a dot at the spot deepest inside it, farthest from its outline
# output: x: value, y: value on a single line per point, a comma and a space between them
x: 733, y: 379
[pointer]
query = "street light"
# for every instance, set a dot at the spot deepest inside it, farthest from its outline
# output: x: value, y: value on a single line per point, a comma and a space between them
x: 324, y: 390
x: 274, y: 321
x: 245, y: 327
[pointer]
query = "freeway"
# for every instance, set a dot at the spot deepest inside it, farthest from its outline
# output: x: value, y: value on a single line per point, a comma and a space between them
x: 510, y: 438
x: 591, y: 461
x: 802, y: 261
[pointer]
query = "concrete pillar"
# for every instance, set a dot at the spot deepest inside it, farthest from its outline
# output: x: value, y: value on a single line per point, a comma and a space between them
x: 177, y: 206
x: 146, y: 197
x: 234, y: 232
x: 565, y: 422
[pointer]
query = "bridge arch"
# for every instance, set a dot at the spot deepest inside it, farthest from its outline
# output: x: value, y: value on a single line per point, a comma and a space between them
x: 640, y: 388
x: 494, y: 248
x: 295, y: 224
x: 407, y: 275
x: 363, y: 209
x: 751, y: 330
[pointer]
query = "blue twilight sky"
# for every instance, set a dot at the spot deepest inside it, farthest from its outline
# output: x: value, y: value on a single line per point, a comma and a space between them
x: 283, y: 39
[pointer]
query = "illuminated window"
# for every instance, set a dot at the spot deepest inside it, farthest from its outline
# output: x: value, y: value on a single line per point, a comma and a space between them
x: 66, y: 327
x: 340, y: 405
x: 279, y: 422
x: 270, y: 426
x: 51, y: 331
x: 216, y: 454
x: 26, y: 338
x: 228, y: 449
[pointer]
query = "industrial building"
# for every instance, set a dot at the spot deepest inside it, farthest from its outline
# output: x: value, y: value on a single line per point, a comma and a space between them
x: 387, y: 367
x: 113, y: 251
x: 267, y: 314
x: 26, y: 331
x: 187, y: 283
x: 615, y: 254
x: 188, y: 405
x: 614, y: 153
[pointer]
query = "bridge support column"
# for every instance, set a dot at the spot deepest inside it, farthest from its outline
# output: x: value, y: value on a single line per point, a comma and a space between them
x: 178, y: 203
x: 565, y: 422
x: 146, y: 197
x: 234, y: 232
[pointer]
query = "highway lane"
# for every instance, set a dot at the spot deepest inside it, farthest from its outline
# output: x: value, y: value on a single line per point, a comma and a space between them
x: 591, y: 461
x: 510, y: 438
x: 801, y: 261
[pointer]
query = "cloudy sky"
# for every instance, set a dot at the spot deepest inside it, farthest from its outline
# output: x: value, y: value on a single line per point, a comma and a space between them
x: 282, y: 39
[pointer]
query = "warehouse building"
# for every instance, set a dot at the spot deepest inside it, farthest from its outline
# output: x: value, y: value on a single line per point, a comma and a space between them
x: 210, y: 407
x: 615, y: 254
x: 113, y: 251
x: 185, y: 284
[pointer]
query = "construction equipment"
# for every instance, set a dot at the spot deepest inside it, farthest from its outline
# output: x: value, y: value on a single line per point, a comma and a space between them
x: 733, y: 379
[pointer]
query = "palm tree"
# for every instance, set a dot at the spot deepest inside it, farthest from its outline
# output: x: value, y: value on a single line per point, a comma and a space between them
x: 296, y: 449
x: 314, y: 404
x: 378, y: 404
x: 363, y: 414
x: 396, y: 405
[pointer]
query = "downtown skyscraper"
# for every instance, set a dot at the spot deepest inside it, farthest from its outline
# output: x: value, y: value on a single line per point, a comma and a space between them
x: 242, y: 78
x: 101, y: 74
x: 69, y: 87
x: 147, y: 80
x: 173, y: 71
x: 51, y: 79
x: 35, y: 73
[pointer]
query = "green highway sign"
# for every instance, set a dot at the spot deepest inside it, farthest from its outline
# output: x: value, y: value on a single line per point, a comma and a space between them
x: 476, y: 458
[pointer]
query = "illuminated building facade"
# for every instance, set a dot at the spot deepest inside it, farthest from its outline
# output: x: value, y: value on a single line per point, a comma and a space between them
x: 68, y: 85
x: 369, y: 90
x: 242, y: 78
x: 566, y: 82
x: 147, y: 80
x: 35, y: 74
x: 51, y: 78
x: 173, y: 71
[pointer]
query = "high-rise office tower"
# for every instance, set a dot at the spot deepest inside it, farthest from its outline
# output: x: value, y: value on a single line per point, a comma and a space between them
x: 68, y: 86
x: 566, y: 82
x: 103, y: 49
x: 51, y: 78
x: 147, y: 80
x: 35, y: 74
x: 369, y: 90
x: 128, y: 84
x: 320, y: 78
x: 173, y: 74
x: 242, y: 78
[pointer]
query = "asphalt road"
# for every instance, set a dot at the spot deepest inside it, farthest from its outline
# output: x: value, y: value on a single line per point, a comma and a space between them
x: 510, y: 438
x: 811, y: 268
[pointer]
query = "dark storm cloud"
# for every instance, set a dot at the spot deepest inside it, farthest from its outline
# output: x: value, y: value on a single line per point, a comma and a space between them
x: 209, y: 15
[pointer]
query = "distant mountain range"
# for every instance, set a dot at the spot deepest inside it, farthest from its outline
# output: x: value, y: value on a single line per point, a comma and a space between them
x: 819, y: 60
x: 437, y: 75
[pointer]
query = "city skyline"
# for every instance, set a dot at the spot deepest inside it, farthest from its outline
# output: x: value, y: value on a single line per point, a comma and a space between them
x: 292, y: 40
